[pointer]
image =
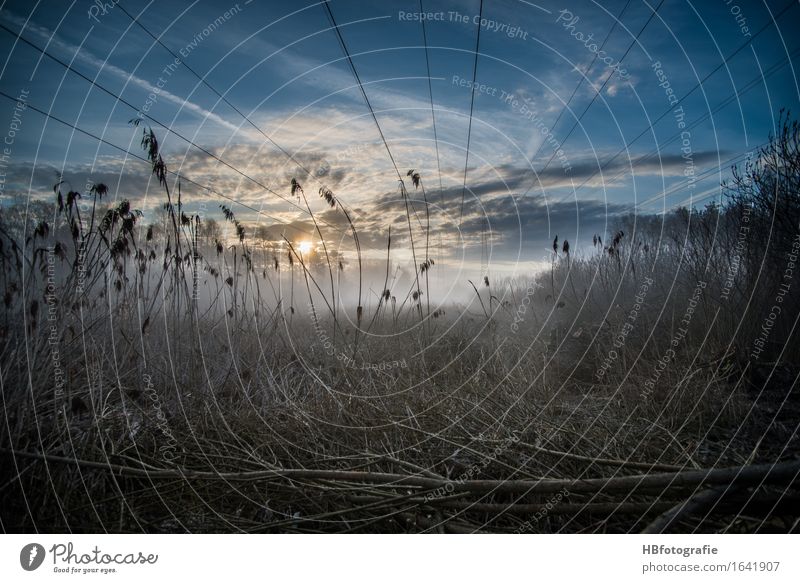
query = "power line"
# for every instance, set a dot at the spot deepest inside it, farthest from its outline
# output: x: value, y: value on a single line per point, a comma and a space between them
x: 222, y: 97
x: 430, y: 93
x: 600, y: 91
x: 383, y: 138
x: 471, y: 108
x: 667, y: 111
x: 730, y: 161
x: 583, y: 77
x: 146, y: 161
x: 712, y: 170
x: 156, y: 121
x: 724, y: 103
x: 361, y: 86
x: 202, y: 79
x: 708, y: 172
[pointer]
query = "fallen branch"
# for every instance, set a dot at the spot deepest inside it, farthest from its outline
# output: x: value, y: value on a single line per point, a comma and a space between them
x: 694, y: 505
x: 551, y: 509
x: 783, y: 472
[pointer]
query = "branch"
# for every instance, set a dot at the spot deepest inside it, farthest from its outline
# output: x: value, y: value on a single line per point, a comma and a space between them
x: 783, y: 472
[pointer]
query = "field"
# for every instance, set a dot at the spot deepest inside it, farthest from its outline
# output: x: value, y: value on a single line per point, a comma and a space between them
x: 165, y: 378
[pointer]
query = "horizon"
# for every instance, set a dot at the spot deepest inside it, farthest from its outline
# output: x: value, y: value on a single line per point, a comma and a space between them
x: 605, y: 121
x: 407, y: 267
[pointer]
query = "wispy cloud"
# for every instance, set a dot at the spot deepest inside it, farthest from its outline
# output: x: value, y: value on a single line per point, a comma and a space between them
x: 69, y: 52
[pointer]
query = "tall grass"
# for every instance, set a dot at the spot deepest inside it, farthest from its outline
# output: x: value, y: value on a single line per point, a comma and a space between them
x: 163, y: 360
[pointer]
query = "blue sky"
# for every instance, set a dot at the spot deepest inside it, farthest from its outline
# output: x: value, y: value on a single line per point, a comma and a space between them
x: 281, y: 64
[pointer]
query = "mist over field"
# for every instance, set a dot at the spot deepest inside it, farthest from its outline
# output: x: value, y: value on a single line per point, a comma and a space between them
x: 336, y: 267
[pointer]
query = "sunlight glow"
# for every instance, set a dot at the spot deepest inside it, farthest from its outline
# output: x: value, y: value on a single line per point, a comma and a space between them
x: 304, y: 247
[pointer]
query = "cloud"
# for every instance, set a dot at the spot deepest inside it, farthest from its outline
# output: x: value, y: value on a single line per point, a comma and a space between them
x: 70, y: 53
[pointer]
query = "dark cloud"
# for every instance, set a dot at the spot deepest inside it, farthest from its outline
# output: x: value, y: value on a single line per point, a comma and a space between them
x: 531, y: 219
x: 493, y: 207
x: 131, y: 182
x: 515, y: 180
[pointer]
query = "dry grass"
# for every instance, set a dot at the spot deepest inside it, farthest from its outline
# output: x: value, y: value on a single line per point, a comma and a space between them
x: 245, y: 412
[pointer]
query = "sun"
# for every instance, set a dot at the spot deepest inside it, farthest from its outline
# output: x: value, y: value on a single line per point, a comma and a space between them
x: 304, y: 247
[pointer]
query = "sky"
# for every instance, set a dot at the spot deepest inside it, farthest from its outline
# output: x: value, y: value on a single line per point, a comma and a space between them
x: 581, y: 112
